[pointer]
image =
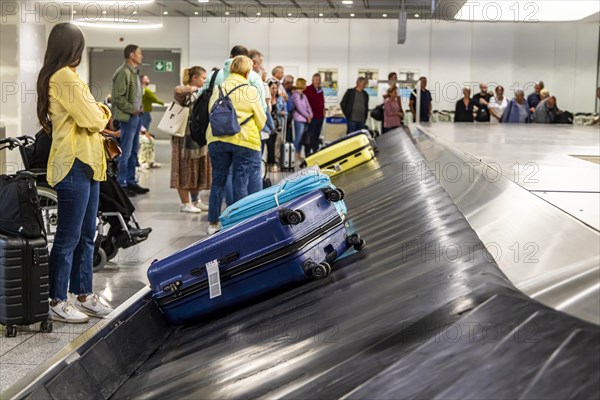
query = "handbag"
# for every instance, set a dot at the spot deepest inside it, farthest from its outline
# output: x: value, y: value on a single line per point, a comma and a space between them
x: 21, y: 213
x: 377, y: 113
x: 111, y: 147
x: 175, y: 119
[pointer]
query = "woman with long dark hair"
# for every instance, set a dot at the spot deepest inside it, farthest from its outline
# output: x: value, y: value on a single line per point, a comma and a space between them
x: 68, y: 112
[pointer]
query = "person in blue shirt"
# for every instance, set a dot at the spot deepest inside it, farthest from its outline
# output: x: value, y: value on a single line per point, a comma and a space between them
x: 253, y: 79
x: 425, y: 102
x: 517, y: 111
x: 534, y: 98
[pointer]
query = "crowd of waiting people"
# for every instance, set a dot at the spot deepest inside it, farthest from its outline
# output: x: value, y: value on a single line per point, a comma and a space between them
x: 229, y: 166
x: 493, y: 107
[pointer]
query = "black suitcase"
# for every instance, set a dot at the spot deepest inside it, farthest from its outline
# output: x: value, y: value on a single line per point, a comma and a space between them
x: 24, y: 283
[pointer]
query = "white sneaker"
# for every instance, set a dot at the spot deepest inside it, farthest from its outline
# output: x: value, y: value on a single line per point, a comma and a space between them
x: 212, y: 229
x: 65, y: 311
x: 189, y: 208
x: 93, y: 307
x: 200, y: 205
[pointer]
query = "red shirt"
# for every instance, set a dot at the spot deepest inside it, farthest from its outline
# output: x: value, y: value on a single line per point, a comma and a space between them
x: 316, y: 101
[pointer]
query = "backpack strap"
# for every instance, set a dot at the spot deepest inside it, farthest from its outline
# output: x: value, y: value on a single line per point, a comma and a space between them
x: 221, y: 96
x: 213, y: 78
x: 246, y: 120
x: 234, y: 89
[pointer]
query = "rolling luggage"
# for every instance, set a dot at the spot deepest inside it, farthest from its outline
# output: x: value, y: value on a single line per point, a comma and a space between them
x: 262, y: 255
x: 24, y: 283
x: 370, y: 135
x: 288, y: 152
x: 344, y: 154
x: 293, y: 186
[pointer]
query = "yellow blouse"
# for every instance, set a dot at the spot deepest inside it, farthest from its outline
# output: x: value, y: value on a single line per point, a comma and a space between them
x: 76, y: 120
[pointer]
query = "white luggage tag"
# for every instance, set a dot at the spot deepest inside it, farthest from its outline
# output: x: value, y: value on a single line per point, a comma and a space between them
x: 214, y: 278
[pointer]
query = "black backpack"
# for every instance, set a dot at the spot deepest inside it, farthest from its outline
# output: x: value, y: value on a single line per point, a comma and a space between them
x: 377, y: 113
x: 20, y: 213
x: 564, y: 117
x: 199, y: 120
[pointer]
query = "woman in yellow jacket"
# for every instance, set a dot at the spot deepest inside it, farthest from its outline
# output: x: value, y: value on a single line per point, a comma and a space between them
x: 240, y: 151
x: 67, y: 110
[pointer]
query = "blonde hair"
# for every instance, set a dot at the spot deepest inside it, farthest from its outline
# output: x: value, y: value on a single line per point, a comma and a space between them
x: 545, y: 93
x: 241, y: 65
x: 300, y: 84
x: 189, y: 73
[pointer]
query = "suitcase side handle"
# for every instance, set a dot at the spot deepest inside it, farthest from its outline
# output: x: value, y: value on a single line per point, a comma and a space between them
x: 229, y: 258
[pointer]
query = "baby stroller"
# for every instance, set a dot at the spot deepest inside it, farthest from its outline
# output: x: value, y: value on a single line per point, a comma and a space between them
x: 117, y: 226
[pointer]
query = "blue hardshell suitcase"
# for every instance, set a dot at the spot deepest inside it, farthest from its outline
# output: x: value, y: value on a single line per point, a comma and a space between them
x: 260, y: 256
x: 295, y: 185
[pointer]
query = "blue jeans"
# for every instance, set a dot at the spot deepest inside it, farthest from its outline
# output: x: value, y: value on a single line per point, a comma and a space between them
x: 229, y: 189
x: 146, y: 120
x: 314, y: 130
x: 72, y: 255
x: 354, y: 126
x: 130, y: 144
x: 299, y: 128
x: 245, y: 165
x: 254, y: 185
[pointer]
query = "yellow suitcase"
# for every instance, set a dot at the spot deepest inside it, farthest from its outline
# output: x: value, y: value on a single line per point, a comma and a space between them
x: 343, y: 155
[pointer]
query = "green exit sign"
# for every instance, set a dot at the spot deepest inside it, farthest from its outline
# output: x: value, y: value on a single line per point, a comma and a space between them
x: 163, y: 66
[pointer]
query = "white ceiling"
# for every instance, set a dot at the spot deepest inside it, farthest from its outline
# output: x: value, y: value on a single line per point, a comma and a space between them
x: 280, y: 8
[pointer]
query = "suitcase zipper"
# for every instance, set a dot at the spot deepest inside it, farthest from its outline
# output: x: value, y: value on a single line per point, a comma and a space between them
x: 267, y: 258
x: 335, y: 160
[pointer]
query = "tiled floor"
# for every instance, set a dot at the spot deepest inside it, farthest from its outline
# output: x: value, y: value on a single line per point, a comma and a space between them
x: 121, y: 278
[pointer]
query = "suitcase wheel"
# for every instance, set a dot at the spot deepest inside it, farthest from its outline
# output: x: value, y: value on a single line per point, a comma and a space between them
x: 291, y: 217
x: 334, y: 195
x: 46, y: 327
x: 10, y: 331
x: 361, y: 245
x: 356, y: 241
x: 321, y: 271
x: 302, y: 215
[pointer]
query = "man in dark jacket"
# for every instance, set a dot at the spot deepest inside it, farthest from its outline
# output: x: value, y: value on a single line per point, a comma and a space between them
x: 127, y: 109
x: 355, y: 106
x: 316, y: 99
x: 481, y: 100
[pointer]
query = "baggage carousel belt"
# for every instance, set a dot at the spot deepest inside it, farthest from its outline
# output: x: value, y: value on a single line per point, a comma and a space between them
x: 423, y: 312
